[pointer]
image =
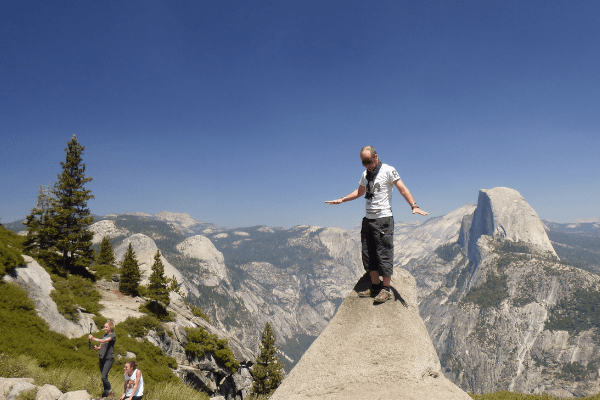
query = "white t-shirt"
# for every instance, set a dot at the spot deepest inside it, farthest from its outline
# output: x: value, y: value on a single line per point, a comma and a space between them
x: 131, y: 384
x: 380, y: 205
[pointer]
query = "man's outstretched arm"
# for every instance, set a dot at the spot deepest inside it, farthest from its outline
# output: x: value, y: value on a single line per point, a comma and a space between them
x: 409, y: 197
x: 360, y: 192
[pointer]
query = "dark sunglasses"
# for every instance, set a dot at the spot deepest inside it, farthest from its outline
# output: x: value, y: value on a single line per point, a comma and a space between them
x: 366, y: 161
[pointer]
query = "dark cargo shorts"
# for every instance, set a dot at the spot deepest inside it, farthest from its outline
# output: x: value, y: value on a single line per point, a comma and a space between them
x: 377, y: 237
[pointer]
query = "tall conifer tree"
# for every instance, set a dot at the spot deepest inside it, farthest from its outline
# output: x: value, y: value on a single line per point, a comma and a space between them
x: 130, y: 273
x: 268, y: 370
x: 72, y: 217
x: 58, y: 227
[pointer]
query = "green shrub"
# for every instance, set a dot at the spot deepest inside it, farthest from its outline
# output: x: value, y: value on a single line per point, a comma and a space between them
x: 157, y: 309
x: 200, y: 342
x: 174, y: 391
x: 104, y: 271
x: 514, y: 247
x: 11, y: 246
x: 24, y: 332
x: 448, y: 251
x: 197, y: 311
x: 28, y: 395
x: 577, y: 372
x: 139, y: 327
x: 74, y: 292
x: 578, y: 313
x: 11, y: 367
x: 491, y: 293
x: 154, y: 364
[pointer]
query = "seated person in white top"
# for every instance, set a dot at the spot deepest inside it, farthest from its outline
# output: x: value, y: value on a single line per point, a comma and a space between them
x: 134, y: 382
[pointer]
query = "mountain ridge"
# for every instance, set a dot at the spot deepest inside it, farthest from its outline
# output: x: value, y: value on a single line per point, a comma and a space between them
x: 485, y: 283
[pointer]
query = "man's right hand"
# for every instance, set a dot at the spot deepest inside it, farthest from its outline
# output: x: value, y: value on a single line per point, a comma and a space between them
x: 338, y: 201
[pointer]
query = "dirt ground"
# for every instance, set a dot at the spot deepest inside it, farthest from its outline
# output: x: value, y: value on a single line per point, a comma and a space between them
x: 117, y: 306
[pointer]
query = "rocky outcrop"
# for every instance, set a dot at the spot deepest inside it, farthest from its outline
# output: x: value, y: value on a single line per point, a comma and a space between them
x: 116, y: 305
x: 11, y: 388
x: 106, y: 228
x: 205, y: 373
x: 372, y: 351
x: 34, y: 278
x: 211, y: 270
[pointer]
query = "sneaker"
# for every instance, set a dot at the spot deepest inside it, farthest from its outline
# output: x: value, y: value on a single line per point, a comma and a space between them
x: 372, y: 291
x: 383, y: 296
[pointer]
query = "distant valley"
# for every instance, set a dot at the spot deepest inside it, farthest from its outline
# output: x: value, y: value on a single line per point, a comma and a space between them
x: 496, y: 286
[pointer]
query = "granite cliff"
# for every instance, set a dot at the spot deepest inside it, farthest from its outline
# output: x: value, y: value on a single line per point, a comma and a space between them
x: 503, y: 311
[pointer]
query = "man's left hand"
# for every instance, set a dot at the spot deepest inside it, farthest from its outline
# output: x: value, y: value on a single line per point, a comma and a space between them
x: 417, y: 210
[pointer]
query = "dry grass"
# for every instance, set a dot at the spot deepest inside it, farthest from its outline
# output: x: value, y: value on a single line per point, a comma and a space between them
x: 504, y: 395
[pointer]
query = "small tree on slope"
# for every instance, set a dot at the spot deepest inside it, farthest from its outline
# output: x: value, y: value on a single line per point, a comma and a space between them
x: 130, y: 273
x: 268, y: 370
x: 158, y: 288
x: 106, y: 255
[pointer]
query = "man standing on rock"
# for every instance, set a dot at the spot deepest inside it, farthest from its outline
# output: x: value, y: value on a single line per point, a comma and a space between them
x: 377, y: 233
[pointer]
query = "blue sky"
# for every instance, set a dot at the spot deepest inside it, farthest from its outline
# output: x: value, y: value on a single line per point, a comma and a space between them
x: 247, y: 113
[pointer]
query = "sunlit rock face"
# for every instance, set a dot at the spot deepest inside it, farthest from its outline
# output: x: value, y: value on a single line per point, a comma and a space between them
x: 496, y: 303
x: 372, y: 351
x: 211, y: 267
x: 106, y: 228
x: 38, y: 283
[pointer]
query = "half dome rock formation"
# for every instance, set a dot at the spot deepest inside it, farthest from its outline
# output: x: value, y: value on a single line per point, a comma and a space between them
x: 503, y: 213
x: 372, y: 351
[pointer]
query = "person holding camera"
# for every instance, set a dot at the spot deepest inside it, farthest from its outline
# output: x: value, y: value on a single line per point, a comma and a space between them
x: 106, y: 356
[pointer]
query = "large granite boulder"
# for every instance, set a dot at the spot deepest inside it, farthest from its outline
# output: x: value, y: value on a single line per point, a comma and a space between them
x: 372, y: 351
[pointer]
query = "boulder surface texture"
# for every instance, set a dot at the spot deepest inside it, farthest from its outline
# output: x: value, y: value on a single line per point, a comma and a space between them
x: 371, y: 351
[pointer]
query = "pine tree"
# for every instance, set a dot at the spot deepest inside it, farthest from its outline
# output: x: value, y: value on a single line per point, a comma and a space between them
x: 130, y: 273
x: 267, y: 373
x: 60, y: 221
x: 106, y: 255
x: 72, y: 217
x: 158, y: 290
x: 40, y: 227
